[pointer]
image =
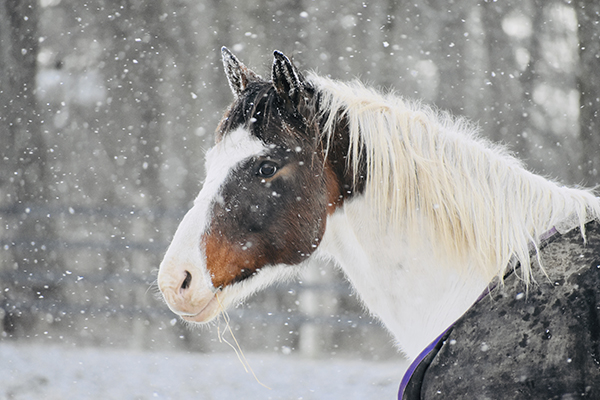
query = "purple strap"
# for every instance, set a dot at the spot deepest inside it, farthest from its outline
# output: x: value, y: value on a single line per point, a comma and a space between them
x: 547, y: 235
x: 413, y: 366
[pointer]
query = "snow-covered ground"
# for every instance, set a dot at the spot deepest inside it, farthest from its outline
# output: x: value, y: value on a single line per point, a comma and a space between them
x: 50, y: 372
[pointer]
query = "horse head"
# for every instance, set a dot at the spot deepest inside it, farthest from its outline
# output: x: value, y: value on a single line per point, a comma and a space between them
x: 264, y: 203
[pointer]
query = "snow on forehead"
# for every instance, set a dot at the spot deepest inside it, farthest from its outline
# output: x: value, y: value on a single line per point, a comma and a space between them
x: 234, y: 148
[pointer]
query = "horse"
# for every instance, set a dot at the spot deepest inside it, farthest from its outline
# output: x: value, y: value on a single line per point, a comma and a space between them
x: 429, y: 222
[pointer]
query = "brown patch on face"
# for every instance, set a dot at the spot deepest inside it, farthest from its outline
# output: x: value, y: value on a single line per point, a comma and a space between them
x: 227, y: 262
x: 260, y: 222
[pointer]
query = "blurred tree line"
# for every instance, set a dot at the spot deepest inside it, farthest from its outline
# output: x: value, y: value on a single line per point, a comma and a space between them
x: 106, y: 108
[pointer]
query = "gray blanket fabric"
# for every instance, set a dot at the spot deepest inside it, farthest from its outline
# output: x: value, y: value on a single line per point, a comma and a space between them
x: 519, y: 343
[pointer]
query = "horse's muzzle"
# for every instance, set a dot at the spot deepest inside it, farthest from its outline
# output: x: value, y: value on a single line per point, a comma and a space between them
x: 187, y: 294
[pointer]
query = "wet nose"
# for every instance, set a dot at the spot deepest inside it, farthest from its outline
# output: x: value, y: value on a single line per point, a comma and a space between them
x: 176, y: 287
x: 180, y: 299
x: 187, y: 282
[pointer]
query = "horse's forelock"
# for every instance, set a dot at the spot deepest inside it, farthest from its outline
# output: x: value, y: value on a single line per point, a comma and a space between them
x: 266, y: 116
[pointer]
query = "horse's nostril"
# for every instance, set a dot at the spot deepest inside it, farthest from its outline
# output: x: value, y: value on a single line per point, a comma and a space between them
x: 187, y: 281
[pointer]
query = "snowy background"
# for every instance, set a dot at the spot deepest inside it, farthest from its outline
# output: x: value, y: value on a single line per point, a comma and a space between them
x: 106, y: 109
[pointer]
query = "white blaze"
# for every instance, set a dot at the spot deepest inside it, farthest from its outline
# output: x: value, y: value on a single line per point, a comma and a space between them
x: 184, y: 253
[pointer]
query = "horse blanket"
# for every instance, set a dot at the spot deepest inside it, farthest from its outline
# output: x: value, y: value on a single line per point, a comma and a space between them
x: 540, y: 342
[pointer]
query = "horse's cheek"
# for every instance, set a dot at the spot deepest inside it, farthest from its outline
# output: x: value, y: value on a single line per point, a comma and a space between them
x: 313, y: 225
x: 228, y: 262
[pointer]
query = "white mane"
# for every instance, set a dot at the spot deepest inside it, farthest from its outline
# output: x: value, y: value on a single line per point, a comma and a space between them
x: 475, y: 200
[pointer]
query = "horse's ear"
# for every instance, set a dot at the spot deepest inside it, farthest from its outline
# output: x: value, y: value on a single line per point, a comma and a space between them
x: 288, y: 81
x: 237, y: 73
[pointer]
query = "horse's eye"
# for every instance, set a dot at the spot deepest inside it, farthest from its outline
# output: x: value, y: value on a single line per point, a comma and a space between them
x: 267, y: 169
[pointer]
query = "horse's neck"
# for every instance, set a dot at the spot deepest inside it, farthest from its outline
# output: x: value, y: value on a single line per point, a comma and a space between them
x: 413, y: 290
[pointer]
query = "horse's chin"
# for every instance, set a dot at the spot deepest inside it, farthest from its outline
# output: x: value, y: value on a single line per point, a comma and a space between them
x: 206, y: 314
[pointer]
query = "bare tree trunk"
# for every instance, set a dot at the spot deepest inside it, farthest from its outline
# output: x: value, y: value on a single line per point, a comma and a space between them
x: 500, y: 66
x: 451, y: 55
x: 22, y: 144
x: 588, y: 83
x: 23, y: 176
x: 510, y: 88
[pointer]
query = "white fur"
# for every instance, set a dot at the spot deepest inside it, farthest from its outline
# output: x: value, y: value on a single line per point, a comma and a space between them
x: 429, y: 172
x: 443, y: 212
x: 414, y: 293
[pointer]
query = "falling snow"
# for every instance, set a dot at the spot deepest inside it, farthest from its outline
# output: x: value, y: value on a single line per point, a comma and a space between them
x: 112, y: 108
